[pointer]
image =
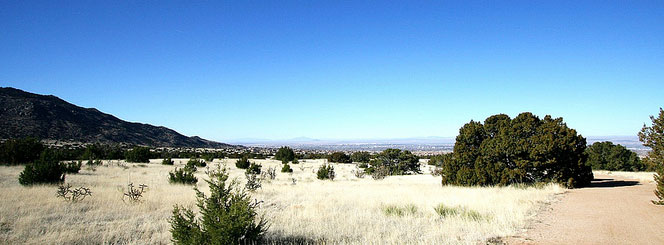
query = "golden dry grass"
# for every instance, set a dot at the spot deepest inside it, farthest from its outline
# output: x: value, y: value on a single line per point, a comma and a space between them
x: 641, y: 176
x: 346, y: 210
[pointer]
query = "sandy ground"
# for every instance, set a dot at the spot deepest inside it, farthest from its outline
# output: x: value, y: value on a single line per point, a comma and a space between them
x: 613, y: 210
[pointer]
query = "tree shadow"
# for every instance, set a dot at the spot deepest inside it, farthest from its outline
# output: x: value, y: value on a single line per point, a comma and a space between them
x: 610, y: 183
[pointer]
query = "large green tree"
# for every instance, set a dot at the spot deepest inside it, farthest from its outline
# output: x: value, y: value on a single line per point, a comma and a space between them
x: 397, y: 162
x: 285, y: 154
x: 653, y: 136
x: 607, y: 156
x: 525, y: 149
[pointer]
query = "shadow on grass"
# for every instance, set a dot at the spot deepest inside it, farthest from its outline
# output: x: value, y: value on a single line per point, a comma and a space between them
x: 280, y: 239
x: 610, y: 183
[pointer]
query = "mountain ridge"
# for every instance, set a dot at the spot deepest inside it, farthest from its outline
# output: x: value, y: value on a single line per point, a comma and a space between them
x: 49, y: 117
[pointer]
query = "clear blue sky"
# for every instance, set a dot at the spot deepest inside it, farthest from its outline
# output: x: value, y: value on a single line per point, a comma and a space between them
x: 327, y: 69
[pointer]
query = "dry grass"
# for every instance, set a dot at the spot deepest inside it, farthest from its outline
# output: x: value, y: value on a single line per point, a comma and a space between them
x: 641, y: 176
x: 346, y: 210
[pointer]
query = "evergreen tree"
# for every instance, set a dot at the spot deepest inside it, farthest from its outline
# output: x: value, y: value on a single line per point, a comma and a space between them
x: 653, y: 137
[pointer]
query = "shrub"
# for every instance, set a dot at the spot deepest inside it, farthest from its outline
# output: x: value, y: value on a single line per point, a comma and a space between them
x: 138, y: 154
x: 134, y: 195
x: 295, y: 161
x: 325, y: 172
x: 208, y: 157
x: 95, y: 162
x: 254, y: 169
x: 362, y: 165
x: 71, y: 167
x: 607, y: 156
x: 285, y: 153
x: 242, y: 163
x: 286, y: 169
x: 359, y: 173
x: 227, y: 216
x: 379, y: 172
x: 196, y: 163
x: 438, y: 160
x: 339, y: 157
x: 397, y: 162
x: 46, y: 170
x: 167, y: 161
x: 361, y: 156
x: 73, y: 195
x: 183, y: 175
x: 253, y: 182
x: 270, y: 173
x: 525, y: 149
x: 20, y: 151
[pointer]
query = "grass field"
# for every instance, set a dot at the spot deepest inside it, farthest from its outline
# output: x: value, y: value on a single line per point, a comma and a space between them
x: 398, y: 209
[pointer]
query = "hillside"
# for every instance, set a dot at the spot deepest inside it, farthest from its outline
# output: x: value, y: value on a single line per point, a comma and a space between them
x: 49, y: 117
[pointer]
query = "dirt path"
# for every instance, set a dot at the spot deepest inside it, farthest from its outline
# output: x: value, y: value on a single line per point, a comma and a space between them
x: 613, y: 210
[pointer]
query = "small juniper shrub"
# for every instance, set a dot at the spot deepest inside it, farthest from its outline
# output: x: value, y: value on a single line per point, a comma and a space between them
x: 227, y: 216
x: 134, y: 195
x: 254, y: 168
x: 242, y: 163
x: 73, y: 194
x: 325, y: 172
x: 183, y: 175
x: 71, y: 167
x: 45, y: 170
x: 196, y: 163
x: 167, y: 161
x: 286, y: 169
x: 295, y: 161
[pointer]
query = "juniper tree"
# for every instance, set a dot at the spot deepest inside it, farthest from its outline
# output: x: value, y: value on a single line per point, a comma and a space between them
x: 653, y: 137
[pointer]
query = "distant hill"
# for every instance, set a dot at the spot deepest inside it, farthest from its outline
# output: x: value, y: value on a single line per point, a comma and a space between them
x: 48, y: 117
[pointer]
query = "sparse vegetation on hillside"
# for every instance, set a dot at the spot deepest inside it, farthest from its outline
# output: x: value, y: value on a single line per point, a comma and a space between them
x: 607, y: 156
x: 653, y: 136
x: 361, y: 156
x: 339, y: 157
x: 20, y: 151
x: 525, y: 149
x: 138, y: 155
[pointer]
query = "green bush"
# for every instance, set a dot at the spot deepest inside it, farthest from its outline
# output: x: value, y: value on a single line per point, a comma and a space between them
x: 397, y: 162
x: 438, y: 160
x: 285, y: 153
x: 227, y: 216
x: 339, y: 157
x: 254, y: 169
x: 286, y: 169
x: 196, y: 163
x: 167, y: 161
x: 71, y: 167
x: 208, y: 157
x: 183, y: 175
x: 242, y: 163
x: 607, y: 156
x: 361, y: 156
x: 525, y: 149
x: 138, y: 154
x: 20, y: 151
x: 652, y: 136
x: 45, y: 170
x: 325, y: 172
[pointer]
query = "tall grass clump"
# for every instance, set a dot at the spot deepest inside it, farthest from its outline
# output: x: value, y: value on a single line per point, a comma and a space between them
x: 460, y: 211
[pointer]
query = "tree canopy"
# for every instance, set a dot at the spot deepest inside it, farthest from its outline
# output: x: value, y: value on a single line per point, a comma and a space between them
x: 339, y: 157
x: 607, y: 156
x: 525, y: 149
x: 396, y: 162
x: 285, y: 154
x: 653, y: 137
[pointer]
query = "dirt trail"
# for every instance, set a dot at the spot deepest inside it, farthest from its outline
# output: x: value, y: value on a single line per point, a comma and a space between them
x: 613, y: 210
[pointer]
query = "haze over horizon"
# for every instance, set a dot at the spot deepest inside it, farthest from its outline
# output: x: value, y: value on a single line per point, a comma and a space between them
x: 232, y: 70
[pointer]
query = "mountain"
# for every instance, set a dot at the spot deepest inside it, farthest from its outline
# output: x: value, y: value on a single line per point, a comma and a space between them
x: 26, y: 114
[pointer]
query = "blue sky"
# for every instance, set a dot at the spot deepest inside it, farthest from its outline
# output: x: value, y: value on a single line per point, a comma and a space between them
x: 341, y: 70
